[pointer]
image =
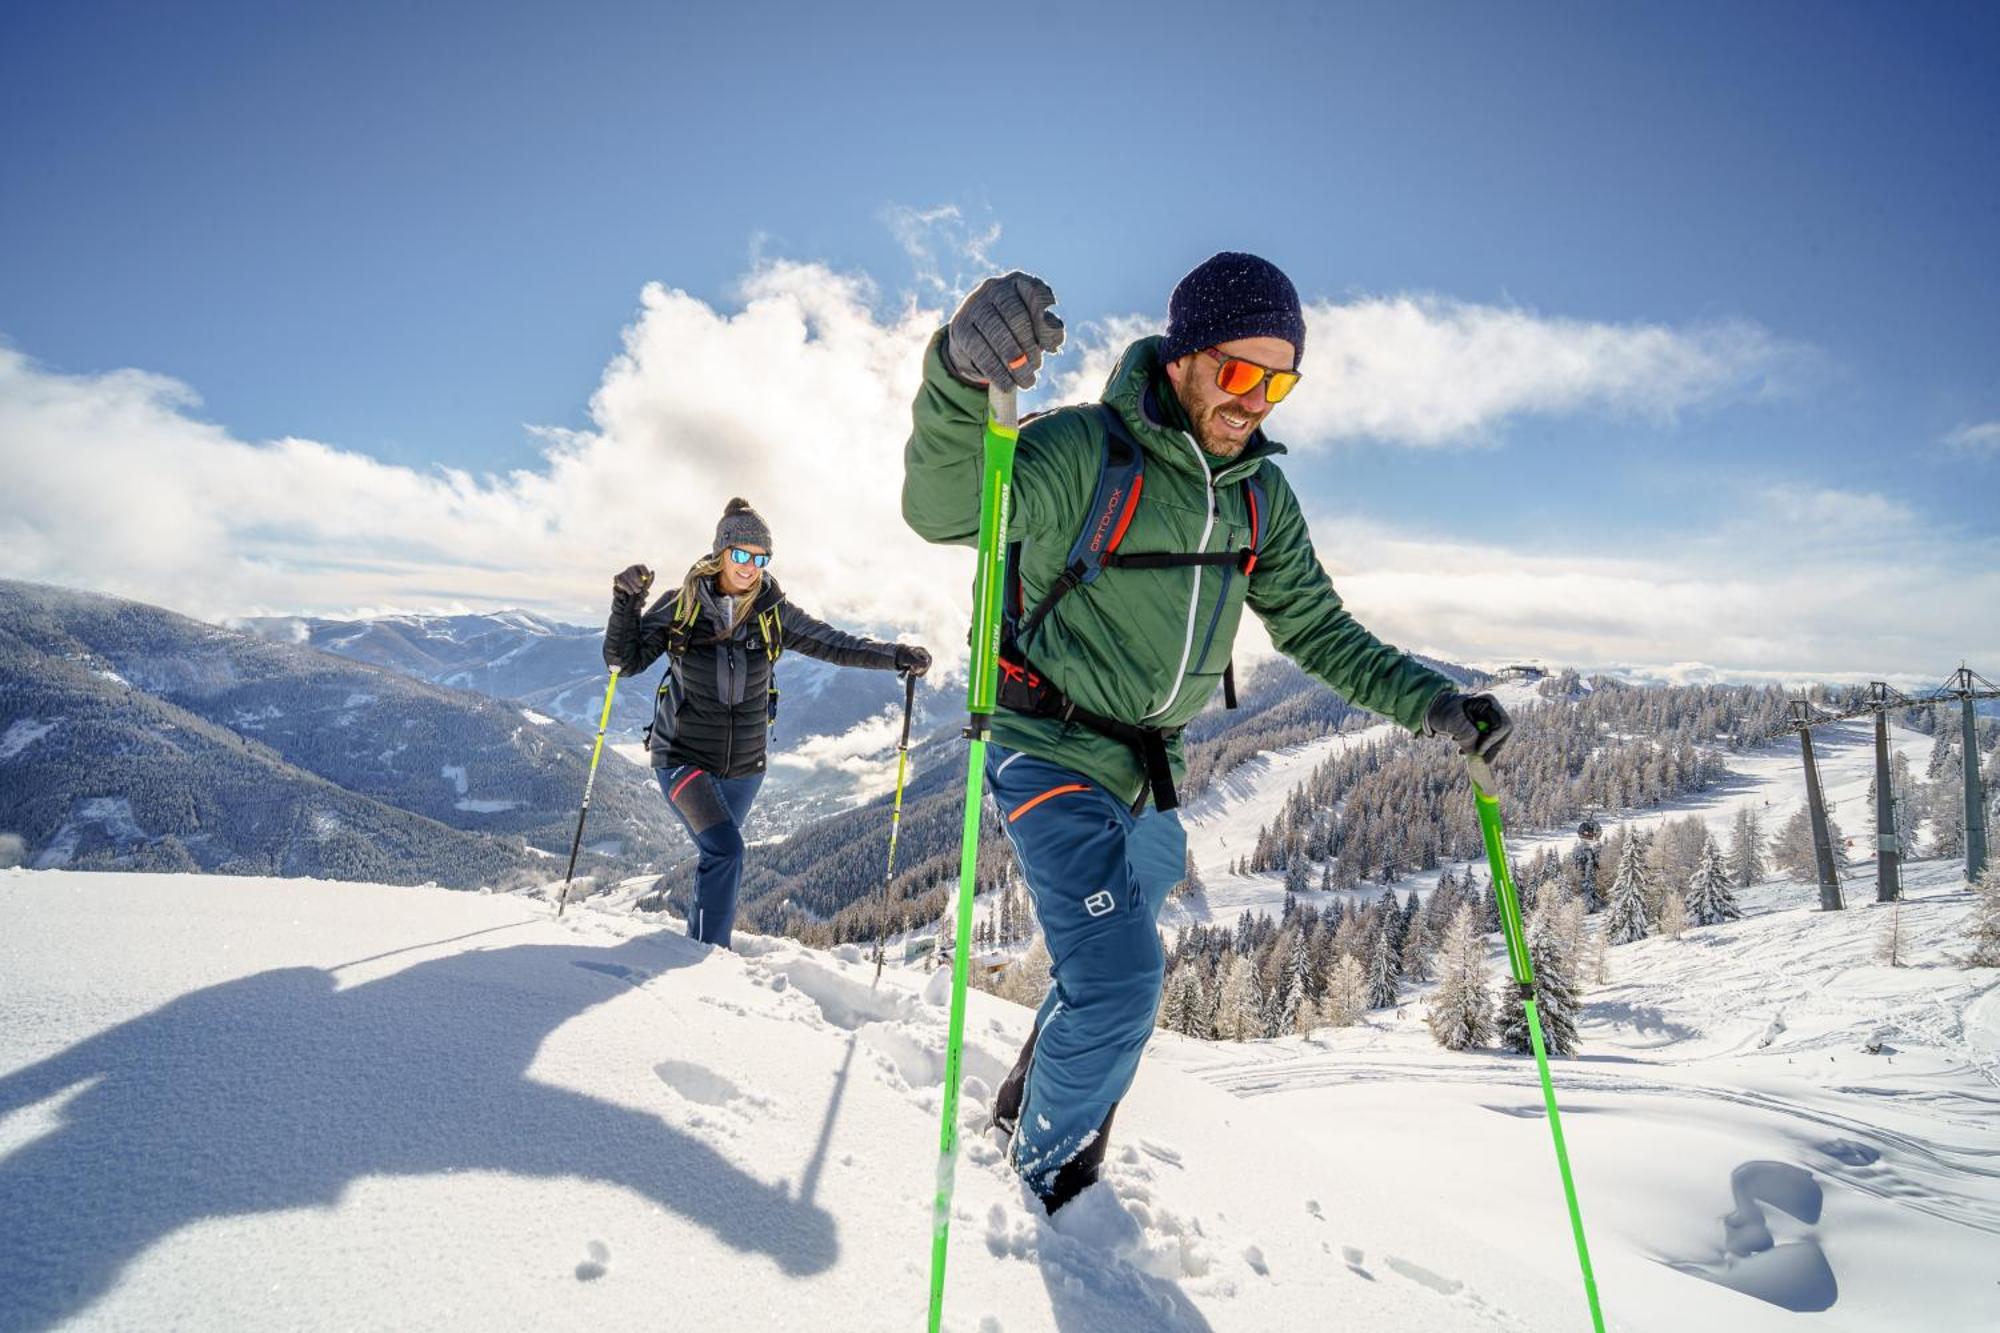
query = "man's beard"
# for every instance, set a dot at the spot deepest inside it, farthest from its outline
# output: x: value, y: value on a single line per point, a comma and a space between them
x: 1207, y: 431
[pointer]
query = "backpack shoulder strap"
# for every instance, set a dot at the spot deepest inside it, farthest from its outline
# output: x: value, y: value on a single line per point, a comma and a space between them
x: 681, y: 632
x: 1121, y: 477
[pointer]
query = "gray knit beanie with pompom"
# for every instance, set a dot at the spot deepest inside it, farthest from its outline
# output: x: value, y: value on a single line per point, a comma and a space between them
x: 741, y: 526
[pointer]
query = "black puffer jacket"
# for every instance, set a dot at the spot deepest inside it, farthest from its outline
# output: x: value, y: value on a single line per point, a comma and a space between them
x: 712, y: 709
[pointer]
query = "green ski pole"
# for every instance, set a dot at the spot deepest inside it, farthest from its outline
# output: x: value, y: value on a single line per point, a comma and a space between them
x: 995, y: 494
x: 603, y: 721
x: 1484, y: 797
x: 896, y: 815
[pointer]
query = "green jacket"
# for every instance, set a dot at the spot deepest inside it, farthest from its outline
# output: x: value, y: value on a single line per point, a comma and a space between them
x: 1144, y: 645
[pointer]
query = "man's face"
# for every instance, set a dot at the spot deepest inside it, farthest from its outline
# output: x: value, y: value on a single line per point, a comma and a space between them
x: 1224, y: 422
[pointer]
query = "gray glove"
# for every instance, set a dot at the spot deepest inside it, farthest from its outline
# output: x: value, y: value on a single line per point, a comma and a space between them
x: 632, y: 581
x: 1001, y: 333
x: 912, y: 658
x: 1476, y: 721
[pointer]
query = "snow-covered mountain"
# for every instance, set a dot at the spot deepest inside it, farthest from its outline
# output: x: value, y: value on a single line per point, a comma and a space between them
x: 557, y: 669
x: 131, y: 736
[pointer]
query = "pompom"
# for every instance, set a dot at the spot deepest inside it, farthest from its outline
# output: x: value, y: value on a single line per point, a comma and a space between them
x: 739, y: 505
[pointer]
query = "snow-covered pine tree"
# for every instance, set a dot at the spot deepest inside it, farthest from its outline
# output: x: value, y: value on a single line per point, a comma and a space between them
x: 947, y: 924
x: 1461, y: 1014
x: 1489, y: 907
x: 1554, y: 991
x: 1710, y: 898
x: 1746, y: 848
x: 1296, y: 1014
x: 1184, y: 1007
x: 1382, y: 969
x: 1346, y: 994
x: 1982, y: 924
x: 1191, y: 885
x: 1631, y: 885
x: 1238, y: 1016
x: 1419, y: 945
x: 1909, y: 806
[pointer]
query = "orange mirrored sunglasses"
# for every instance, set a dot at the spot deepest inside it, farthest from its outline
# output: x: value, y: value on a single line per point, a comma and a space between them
x: 1234, y: 375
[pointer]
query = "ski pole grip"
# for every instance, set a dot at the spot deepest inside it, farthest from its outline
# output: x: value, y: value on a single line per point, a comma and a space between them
x: 1000, y: 405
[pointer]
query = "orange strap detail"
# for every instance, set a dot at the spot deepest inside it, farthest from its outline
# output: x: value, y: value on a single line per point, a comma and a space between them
x: 1026, y: 806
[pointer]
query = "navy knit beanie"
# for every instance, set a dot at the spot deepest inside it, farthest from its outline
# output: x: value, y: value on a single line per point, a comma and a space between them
x: 1230, y: 296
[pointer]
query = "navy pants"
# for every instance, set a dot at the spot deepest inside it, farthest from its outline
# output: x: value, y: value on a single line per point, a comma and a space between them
x: 1098, y: 876
x: 713, y: 809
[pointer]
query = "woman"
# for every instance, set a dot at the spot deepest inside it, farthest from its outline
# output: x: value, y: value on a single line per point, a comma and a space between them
x: 722, y: 633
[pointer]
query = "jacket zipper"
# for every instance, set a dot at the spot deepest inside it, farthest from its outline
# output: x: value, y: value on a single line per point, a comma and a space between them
x: 1194, y: 592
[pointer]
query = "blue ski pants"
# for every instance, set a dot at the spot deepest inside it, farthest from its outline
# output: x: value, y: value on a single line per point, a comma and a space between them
x: 1098, y: 876
x: 713, y: 809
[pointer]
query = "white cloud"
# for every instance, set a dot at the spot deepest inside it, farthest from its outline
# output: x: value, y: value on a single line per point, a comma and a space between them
x: 947, y: 252
x: 798, y: 398
x: 1983, y: 438
x: 1864, y: 587
x: 799, y: 401
x: 1423, y: 370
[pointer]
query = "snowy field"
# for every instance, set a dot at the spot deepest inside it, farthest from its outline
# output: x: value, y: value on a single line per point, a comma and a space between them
x: 241, y: 1103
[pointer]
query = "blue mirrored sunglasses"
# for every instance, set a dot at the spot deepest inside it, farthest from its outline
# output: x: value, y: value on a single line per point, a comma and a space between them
x: 738, y: 555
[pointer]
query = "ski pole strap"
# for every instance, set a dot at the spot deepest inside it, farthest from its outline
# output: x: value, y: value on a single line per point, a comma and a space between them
x: 909, y: 702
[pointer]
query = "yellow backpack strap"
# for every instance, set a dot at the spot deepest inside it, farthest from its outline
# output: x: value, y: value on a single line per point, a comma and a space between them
x: 772, y: 626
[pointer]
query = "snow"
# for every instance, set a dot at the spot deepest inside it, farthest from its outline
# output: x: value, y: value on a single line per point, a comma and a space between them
x: 23, y: 732
x: 535, y: 718
x: 455, y: 775
x: 230, y: 1102
x: 485, y: 807
x: 417, y: 1106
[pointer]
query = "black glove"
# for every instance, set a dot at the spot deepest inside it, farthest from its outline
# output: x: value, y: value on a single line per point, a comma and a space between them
x: 912, y: 659
x: 1002, y: 331
x: 632, y: 581
x: 1476, y: 721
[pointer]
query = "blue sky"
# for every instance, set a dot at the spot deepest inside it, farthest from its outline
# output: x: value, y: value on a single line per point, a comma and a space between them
x: 409, y: 234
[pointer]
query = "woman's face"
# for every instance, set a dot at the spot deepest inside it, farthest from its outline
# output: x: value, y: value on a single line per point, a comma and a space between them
x: 738, y: 579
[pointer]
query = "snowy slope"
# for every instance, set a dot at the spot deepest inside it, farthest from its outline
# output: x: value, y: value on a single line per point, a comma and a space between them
x: 245, y: 1103
x: 253, y: 1103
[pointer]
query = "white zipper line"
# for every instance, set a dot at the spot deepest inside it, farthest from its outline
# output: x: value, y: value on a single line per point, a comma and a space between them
x: 1194, y: 592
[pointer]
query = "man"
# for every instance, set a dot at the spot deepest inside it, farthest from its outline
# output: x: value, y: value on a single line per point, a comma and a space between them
x: 1120, y: 662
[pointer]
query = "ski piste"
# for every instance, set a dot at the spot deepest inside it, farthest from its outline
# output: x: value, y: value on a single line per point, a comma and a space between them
x: 589, y: 781
x: 995, y: 495
x: 1483, y: 795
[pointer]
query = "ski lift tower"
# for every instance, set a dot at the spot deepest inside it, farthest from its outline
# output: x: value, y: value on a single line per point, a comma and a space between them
x: 1829, y: 877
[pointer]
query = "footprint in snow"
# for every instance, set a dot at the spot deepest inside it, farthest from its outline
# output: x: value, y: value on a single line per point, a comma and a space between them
x: 1423, y: 1277
x: 700, y: 1084
x: 597, y: 1264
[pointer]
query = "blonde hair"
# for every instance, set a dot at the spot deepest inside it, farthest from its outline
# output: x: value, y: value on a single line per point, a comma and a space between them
x: 707, y: 568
